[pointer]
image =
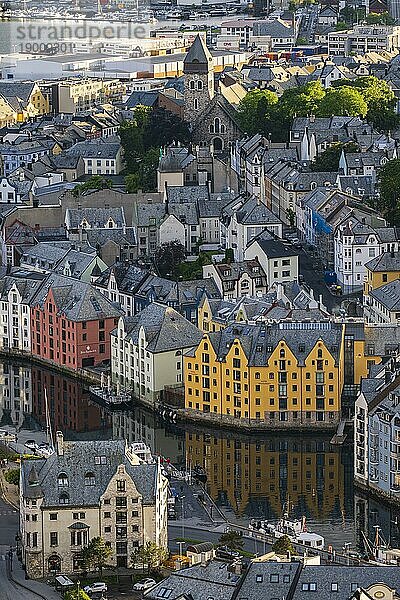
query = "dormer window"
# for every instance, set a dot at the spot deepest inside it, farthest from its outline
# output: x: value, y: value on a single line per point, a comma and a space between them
x: 63, y: 499
x: 62, y: 480
x: 90, y: 479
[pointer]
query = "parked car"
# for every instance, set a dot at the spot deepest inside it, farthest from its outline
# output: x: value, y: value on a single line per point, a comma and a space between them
x: 225, y: 552
x: 98, y: 586
x: 31, y: 444
x: 145, y: 584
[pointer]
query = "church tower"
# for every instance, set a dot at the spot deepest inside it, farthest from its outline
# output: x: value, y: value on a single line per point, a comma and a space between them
x: 198, y: 79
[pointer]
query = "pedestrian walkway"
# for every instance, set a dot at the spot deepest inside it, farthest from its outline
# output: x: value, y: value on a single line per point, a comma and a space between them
x: 36, y: 589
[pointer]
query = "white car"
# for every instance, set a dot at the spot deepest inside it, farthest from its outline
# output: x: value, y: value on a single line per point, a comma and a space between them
x: 99, y: 586
x: 145, y: 584
x: 31, y: 444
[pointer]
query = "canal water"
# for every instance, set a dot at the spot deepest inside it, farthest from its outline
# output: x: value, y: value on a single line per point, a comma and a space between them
x: 247, y: 476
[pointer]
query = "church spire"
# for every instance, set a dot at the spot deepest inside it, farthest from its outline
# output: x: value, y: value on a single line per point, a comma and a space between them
x: 198, y: 59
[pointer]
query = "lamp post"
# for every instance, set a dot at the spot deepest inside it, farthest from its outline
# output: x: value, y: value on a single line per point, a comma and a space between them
x: 183, y: 516
x: 78, y: 583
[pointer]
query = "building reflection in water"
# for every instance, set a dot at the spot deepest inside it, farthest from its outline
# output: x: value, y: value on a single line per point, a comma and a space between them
x: 371, y: 512
x: 23, y: 406
x: 255, y: 477
x: 248, y: 476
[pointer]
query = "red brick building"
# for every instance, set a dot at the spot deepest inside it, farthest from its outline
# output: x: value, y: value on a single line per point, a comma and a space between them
x: 71, y: 323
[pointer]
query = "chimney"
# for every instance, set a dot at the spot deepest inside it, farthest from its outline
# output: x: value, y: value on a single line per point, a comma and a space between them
x: 60, y: 443
x: 203, y: 559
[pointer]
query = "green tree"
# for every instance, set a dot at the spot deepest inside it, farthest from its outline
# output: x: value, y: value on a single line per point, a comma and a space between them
x: 229, y: 255
x: 342, y: 101
x: 389, y: 190
x: 165, y: 127
x: 255, y: 111
x: 96, y: 554
x: 232, y: 539
x: 73, y: 595
x: 329, y: 159
x: 149, y: 556
x: 168, y: 257
x: 132, y: 183
x: 341, y: 26
x: 301, y: 41
x: 283, y: 545
x: 291, y: 217
x: 12, y: 476
x: 95, y: 182
x: 379, y: 19
x: 380, y: 99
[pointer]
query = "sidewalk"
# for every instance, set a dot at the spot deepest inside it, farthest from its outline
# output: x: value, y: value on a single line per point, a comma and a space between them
x: 41, y: 590
x: 8, y: 491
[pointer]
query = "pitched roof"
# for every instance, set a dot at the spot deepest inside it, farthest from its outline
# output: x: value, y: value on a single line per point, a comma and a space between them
x: 198, y: 53
x: 165, y: 329
x: 388, y: 261
x: 388, y: 295
x: 77, y: 300
x: 78, y: 459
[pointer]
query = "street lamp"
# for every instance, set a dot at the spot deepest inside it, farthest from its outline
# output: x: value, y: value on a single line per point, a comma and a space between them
x: 78, y: 583
x: 183, y: 516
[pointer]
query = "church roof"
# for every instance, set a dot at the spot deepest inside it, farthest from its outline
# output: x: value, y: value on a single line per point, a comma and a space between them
x: 198, y: 54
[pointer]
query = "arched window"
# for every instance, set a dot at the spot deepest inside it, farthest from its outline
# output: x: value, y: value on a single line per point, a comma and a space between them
x: 319, y: 353
x: 205, y: 346
x: 218, y: 144
x: 282, y: 353
x: 90, y: 479
x: 236, y: 351
x: 62, y: 480
x: 199, y: 85
x: 178, y: 353
x: 54, y: 563
x: 63, y: 499
x: 217, y: 125
x: 191, y: 85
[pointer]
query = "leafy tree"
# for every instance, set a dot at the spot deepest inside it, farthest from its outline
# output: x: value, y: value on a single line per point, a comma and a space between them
x: 283, y: 545
x: 345, y: 101
x: 169, y: 256
x: 133, y: 183
x: 303, y: 100
x: 12, y: 476
x: 232, y: 539
x: 229, y: 255
x: 96, y: 554
x: 95, y: 182
x: 380, y: 99
x: 389, y: 188
x: 301, y: 41
x: 165, y: 127
x: 329, y: 159
x: 341, y: 26
x: 291, y: 217
x: 150, y: 555
x: 255, y: 110
x: 73, y: 595
x: 379, y: 19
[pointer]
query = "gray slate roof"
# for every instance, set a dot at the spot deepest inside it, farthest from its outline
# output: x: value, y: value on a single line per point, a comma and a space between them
x: 79, y: 301
x: 388, y: 295
x: 388, y: 261
x: 164, y: 327
x: 199, y: 583
x: 79, y: 459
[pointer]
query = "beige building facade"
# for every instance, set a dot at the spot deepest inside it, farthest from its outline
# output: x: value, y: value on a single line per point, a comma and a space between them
x: 87, y: 490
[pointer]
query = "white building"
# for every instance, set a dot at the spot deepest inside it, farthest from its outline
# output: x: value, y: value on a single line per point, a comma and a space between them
x: 15, y: 296
x: 355, y: 244
x: 243, y: 220
x: 238, y: 279
x: 16, y: 393
x: 85, y: 490
x: 279, y: 262
x: 147, y: 350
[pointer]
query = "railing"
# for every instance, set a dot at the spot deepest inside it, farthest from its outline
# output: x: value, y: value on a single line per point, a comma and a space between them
x: 331, y: 557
